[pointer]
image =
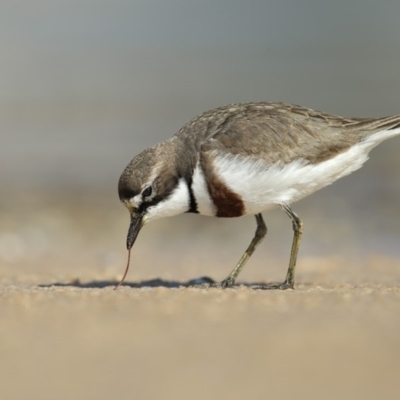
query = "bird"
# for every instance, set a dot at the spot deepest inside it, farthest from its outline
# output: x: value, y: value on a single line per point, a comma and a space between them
x: 244, y: 159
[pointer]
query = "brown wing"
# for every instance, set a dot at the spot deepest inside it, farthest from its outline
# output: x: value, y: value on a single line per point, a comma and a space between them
x: 279, y: 132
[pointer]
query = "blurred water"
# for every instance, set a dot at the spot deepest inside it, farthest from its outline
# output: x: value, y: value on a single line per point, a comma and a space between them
x: 86, y: 85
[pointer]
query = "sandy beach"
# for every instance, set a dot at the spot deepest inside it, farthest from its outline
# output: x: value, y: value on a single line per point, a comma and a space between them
x: 66, y: 333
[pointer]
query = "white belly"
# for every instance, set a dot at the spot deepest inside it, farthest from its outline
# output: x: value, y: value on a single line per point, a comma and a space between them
x: 262, y: 186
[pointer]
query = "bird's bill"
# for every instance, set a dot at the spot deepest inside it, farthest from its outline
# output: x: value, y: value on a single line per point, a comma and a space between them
x: 134, y: 228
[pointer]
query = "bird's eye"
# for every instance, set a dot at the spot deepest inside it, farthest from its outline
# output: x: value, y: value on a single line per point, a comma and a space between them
x: 147, y: 192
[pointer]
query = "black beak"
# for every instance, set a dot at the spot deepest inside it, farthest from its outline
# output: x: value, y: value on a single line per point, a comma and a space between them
x: 134, y: 228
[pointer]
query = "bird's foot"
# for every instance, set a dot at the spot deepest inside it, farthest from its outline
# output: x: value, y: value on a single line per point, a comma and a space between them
x: 277, y: 286
x: 226, y: 283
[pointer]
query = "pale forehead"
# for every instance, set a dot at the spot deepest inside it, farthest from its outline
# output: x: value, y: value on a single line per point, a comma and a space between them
x: 133, y: 203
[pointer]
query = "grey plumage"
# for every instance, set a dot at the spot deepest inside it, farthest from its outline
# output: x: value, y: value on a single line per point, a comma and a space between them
x: 280, y: 132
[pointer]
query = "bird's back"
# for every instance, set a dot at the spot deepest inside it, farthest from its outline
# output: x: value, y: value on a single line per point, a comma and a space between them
x: 278, y: 132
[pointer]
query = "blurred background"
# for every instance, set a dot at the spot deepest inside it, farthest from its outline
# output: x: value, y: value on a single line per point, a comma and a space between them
x: 86, y: 85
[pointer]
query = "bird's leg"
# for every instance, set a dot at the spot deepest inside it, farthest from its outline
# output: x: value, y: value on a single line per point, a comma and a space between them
x: 261, y: 231
x: 298, y: 231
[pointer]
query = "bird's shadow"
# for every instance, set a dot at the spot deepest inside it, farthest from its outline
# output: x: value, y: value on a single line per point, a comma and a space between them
x: 153, y: 283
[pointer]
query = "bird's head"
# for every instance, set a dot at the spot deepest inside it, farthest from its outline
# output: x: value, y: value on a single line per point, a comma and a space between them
x: 151, y: 188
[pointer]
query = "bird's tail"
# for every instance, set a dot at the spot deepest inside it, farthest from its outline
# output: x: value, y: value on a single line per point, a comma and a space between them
x: 377, y: 130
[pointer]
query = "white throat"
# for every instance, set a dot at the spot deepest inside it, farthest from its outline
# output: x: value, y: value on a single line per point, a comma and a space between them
x: 204, y: 202
x: 178, y: 202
